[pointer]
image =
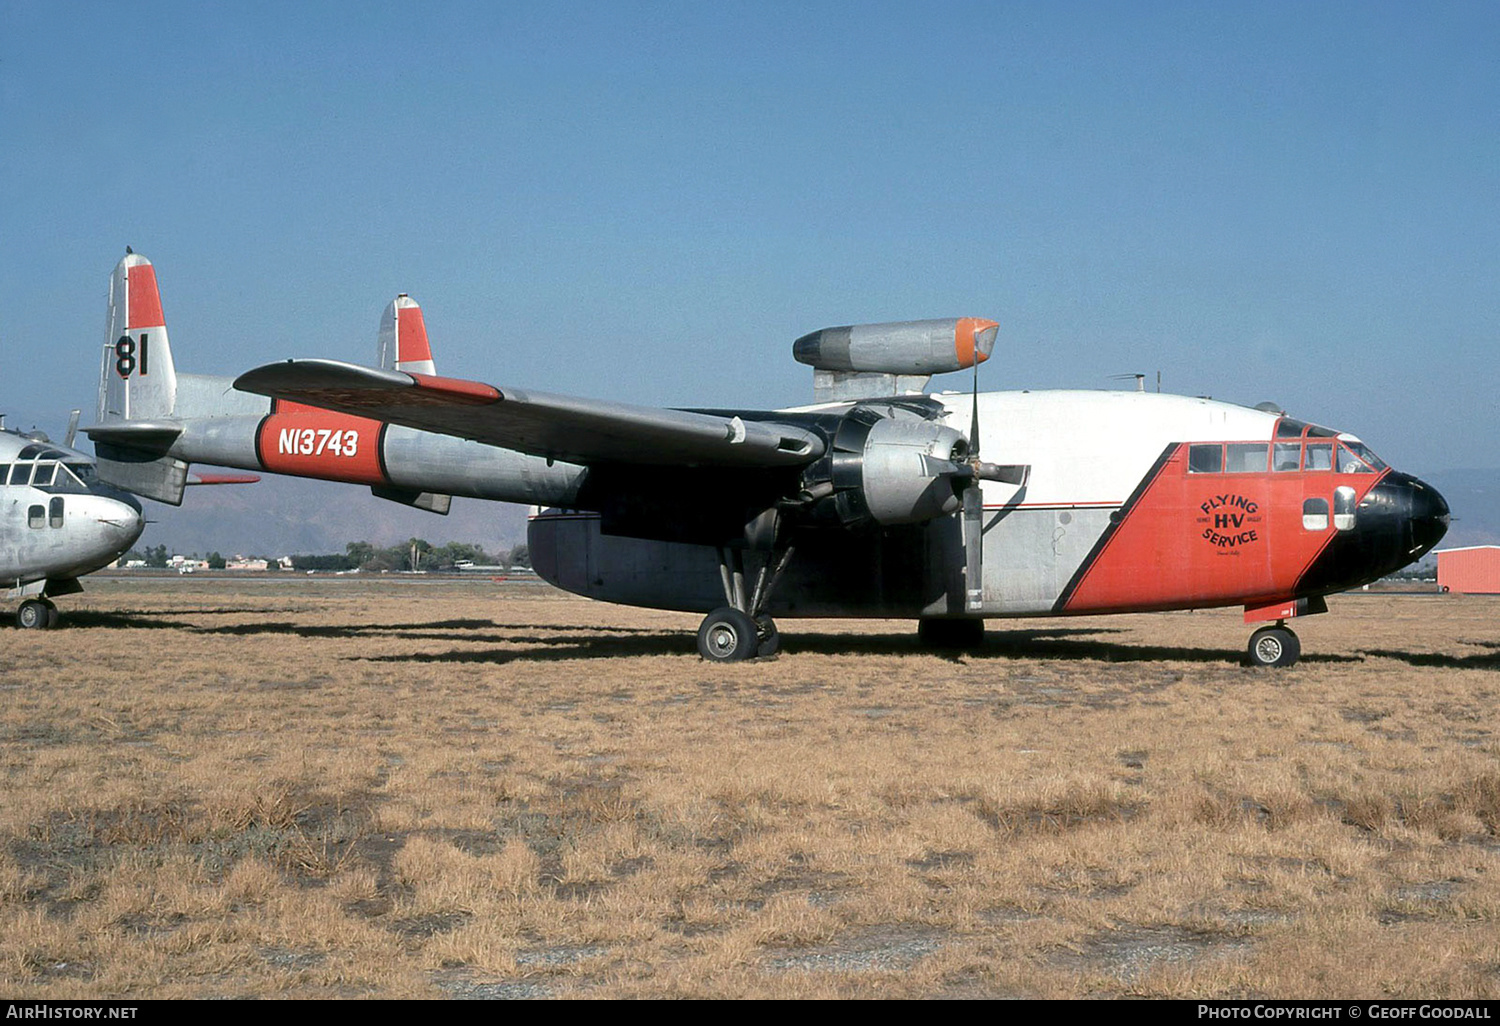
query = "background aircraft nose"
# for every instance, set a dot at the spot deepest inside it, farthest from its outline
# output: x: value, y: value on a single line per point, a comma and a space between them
x: 122, y: 522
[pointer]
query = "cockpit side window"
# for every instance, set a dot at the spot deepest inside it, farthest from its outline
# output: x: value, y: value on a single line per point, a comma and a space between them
x: 1246, y: 458
x: 66, y: 475
x: 1286, y: 456
x: 55, y: 511
x: 1205, y: 459
x: 84, y: 472
x: 44, y: 475
x: 36, y: 516
x: 20, y: 473
x: 1364, y: 452
x: 1318, y: 456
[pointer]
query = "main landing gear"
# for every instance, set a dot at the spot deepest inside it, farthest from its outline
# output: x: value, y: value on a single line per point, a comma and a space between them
x: 37, y: 614
x: 1274, y: 646
x: 740, y: 630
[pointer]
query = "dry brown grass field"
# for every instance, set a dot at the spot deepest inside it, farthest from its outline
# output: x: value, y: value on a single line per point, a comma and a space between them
x: 356, y: 788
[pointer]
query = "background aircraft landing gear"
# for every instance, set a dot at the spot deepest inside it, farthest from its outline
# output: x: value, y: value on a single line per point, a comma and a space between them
x: 1274, y: 646
x: 37, y: 614
x: 951, y: 635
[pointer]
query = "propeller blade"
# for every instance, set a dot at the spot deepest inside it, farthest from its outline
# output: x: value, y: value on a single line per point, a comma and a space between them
x: 974, y: 419
x: 1008, y: 473
x: 973, y: 549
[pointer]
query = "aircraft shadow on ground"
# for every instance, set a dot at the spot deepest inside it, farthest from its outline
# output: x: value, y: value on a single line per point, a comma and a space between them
x: 1055, y: 644
x: 1485, y: 661
x: 442, y: 629
x: 122, y: 621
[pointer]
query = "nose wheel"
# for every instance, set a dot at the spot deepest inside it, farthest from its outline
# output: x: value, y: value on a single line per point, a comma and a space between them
x: 1274, y: 646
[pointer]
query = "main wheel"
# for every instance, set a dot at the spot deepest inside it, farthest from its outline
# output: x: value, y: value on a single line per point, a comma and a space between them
x: 727, y: 636
x: 768, y: 638
x: 1274, y: 646
x: 34, y: 615
x: 952, y: 635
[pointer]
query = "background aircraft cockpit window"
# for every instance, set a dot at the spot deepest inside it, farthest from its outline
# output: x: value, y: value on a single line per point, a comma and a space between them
x: 1286, y: 456
x: 55, y: 511
x: 1205, y: 459
x: 1318, y: 456
x: 83, y: 471
x: 1315, y: 515
x: 67, y: 474
x: 1247, y: 458
x: 4, y: 472
x: 20, y: 473
x: 44, y: 474
x: 36, y: 516
x: 29, y: 452
x: 1286, y: 427
x: 1349, y: 463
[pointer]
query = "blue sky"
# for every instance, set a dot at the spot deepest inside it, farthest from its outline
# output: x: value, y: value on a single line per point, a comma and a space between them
x: 649, y: 202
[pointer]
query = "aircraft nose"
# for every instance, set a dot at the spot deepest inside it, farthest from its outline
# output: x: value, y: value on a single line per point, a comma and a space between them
x: 122, y: 523
x: 1429, y: 516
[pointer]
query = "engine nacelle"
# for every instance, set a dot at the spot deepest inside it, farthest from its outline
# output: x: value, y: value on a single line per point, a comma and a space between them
x: 886, y: 467
x: 901, y: 347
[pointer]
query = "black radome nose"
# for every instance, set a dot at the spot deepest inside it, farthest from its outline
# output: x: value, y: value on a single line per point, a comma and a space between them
x: 1429, y: 517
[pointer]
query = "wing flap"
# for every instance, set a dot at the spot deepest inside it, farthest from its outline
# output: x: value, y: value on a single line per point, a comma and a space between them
x: 539, y: 423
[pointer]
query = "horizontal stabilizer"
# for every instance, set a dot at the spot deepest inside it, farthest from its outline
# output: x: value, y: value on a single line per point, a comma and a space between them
x: 146, y: 435
x: 585, y: 431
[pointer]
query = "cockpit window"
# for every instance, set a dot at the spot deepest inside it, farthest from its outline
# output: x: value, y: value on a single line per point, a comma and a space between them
x: 1318, y: 431
x: 1286, y: 427
x: 1349, y: 463
x: 84, y: 472
x: 1286, y: 456
x: 29, y: 452
x: 1205, y: 459
x: 1364, y: 452
x: 1318, y: 456
x: 20, y: 473
x: 67, y: 474
x: 1246, y: 458
x: 43, y: 476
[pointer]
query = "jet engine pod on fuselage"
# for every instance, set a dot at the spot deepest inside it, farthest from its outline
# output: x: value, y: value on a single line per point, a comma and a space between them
x: 901, y: 347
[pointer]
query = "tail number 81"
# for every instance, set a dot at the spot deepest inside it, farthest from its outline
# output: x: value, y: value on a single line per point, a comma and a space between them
x: 131, y: 356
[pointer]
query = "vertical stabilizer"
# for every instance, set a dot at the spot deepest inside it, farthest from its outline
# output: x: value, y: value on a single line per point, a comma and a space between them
x: 403, y: 347
x: 137, y: 378
x: 137, y: 389
x: 403, y: 338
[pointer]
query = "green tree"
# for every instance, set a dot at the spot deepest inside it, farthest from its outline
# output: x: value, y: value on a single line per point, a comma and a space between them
x: 216, y: 561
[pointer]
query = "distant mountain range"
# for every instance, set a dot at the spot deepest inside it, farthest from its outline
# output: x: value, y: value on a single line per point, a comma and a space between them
x: 288, y: 516
x: 283, y: 516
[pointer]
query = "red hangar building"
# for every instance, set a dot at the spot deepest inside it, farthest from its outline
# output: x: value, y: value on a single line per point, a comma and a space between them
x: 1470, y: 570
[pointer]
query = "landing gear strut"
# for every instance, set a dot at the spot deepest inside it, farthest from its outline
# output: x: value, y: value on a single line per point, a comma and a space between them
x: 1274, y: 646
x: 740, y: 630
x: 37, y: 614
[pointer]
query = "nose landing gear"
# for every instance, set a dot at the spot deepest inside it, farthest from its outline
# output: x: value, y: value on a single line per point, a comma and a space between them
x: 1274, y: 646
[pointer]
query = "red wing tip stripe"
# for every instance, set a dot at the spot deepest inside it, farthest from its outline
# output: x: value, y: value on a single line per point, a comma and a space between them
x: 459, y: 390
